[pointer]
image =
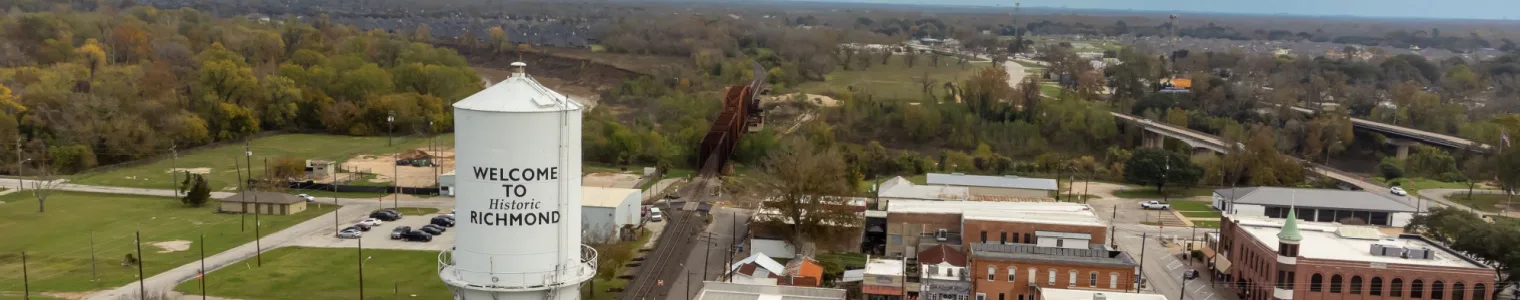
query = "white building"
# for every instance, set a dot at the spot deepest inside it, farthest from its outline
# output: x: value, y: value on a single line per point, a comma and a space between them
x: 1065, y: 294
x: 756, y: 269
x: 997, y: 186
x: 1316, y: 205
x: 605, y: 211
x: 899, y: 188
x: 715, y: 290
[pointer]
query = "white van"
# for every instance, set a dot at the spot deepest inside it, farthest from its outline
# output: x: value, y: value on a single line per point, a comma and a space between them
x: 655, y: 215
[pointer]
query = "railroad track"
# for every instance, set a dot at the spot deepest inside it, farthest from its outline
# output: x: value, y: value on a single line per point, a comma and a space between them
x: 673, y: 244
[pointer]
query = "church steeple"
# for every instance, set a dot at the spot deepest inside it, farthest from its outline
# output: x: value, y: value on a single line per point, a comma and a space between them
x: 1290, y: 228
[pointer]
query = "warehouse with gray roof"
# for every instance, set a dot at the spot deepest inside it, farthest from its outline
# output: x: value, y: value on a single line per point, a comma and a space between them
x: 1318, y: 205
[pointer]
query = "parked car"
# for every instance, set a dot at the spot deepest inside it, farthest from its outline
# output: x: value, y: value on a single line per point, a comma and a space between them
x: 439, y: 227
x: 349, y: 234
x: 308, y: 198
x: 372, y: 222
x: 1155, y: 205
x: 416, y: 236
x: 353, y: 228
x: 431, y: 229
x: 444, y: 221
x: 399, y: 231
x: 396, y: 212
x: 385, y: 215
x: 655, y: 215
x: 363, y: 227
x: 1398, y: 191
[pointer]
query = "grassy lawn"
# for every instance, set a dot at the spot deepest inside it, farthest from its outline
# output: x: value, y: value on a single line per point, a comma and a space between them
x: 1206, y: 224
x: 1480, y: 201
x: 848, y: 260
x: 1201, y: 214
x: 58, y: 242
x: 612, y: 258
x: 1028, y: 64
x: 895, y: 79
x: 220, y: 160
x: 1050, y: 90
x: 1194, y: 206
x: 1139, y: 192
x: 1414, y: 185
x: 328, y: 273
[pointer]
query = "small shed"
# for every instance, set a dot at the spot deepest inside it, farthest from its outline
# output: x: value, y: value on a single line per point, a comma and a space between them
x: 269, y: 203
x: 605, y: 211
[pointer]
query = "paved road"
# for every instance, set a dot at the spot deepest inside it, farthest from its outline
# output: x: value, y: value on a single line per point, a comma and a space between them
x: 710, y: 250
x: 1163, y: 268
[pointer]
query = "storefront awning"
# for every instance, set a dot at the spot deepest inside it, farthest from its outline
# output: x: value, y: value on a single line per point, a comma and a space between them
x: 1222, y: 264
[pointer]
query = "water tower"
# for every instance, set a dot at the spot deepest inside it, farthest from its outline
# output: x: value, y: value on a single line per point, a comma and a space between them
x: 518, y: 156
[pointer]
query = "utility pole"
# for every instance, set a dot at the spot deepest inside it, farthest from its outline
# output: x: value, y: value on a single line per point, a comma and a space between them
x: 361, y: 268
x: 20, y: 186
x: 1058, y: 184
x: 203, y: 266
x: 93, y: 274
x: 390, y: 120
x: 1112, y: 242
x: 1143, y: 237
x: 173, y: 168
x: 243, y: 226
x: 433, y: 151
x: 142, y: 288
x: 258, y: 248
x: 1166, y: 167
x: 26, y: 280
x: 395, y: 180
x: 732, y: 249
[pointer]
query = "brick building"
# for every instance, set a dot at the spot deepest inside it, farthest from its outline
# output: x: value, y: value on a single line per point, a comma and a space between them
x: 1271, y: 259
x: 1018, y: 271
x: 942, y: 274
x: 914, y: 225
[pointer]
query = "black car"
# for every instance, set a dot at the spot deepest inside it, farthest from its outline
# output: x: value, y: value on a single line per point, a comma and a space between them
x: 394, y: 211
x: 431, y: 229
x: 444, y: 221
x: 435, y: 226
x: 362, y: 226
x: 417, y: 236
x: 386, y: 215
x: 399, y: 231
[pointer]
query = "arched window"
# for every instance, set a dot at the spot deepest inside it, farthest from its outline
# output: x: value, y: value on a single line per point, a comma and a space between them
x: 1315, y: 282
x: 1479, y: 293
x: 1458, y: 291
x: 991, y: 273
x: 1396, y: 288
x: 1377, y: 286
x: 1013, y: 273
x: 1335, y: 283
x: 1092, y: 279
x: 1356, y: 285
x: 1416, y: 289
x: 1437, y: 290
x: 1052, y: 279
x: 1032, y: 276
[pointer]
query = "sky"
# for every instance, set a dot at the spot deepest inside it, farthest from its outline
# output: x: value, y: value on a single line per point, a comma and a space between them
x: 1434, y: 9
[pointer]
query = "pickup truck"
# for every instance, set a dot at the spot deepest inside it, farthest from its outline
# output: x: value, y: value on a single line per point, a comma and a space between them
x: 1155, y: 205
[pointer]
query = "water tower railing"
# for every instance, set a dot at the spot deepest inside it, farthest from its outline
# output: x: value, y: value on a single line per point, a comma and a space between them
x: 519, y: 281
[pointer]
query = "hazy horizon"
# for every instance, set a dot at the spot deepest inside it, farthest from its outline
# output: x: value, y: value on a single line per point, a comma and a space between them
x: 1451, y: 9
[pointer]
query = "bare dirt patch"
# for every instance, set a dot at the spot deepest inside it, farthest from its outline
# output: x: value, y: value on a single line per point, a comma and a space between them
x: 385, y: 169
x: 70, y: 295
x: 611, y: 180
x: 172, y: 246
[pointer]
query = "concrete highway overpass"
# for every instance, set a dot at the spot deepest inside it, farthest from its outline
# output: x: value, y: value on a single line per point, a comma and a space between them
x: 1405, y: 137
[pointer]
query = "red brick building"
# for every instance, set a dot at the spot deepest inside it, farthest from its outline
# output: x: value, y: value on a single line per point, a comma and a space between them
x: 1288, y: 259
x: 1018, y: 271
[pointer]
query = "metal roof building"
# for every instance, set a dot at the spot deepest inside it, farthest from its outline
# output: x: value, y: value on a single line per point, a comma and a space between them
x: 1007, y: 186
x: 1317, y: 205
x: 717, y: 290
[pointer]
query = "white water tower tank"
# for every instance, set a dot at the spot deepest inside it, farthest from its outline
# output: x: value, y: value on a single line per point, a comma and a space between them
x: 517, y: 191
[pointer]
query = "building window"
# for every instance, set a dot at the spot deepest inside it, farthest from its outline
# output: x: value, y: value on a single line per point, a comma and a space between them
x: 1315, y: 282
x: 1032, y: 279
x: 1396, y: 288
x: 897, y: 240
x: 1028, y: 240
x: 1013, y: 273
x: 1437, y: 290
x: 981, y: 296
x: 1003, y: 238
x: 1092, y: 279
x: 1000, y: 296
x: 1113, y: 280
x: 1416, y: 289
x: 984, y: 236
x: 1356, y: 285
x: 1071, y: 278
x: 991, y: 273
x: 1458, y: 290
x: 1377, y: 286
x: 1335, y: 283
x: 1479, y: 292
x: 1052, y: 280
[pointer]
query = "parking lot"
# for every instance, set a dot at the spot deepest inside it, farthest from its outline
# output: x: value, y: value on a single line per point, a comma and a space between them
x: 379, y: 237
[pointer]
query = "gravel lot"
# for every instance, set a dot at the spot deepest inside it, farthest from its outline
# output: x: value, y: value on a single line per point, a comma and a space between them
x: 380, y: 237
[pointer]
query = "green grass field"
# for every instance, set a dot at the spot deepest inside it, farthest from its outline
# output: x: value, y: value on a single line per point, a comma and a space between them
x: 328, y: 273
x: 220, y: 160
x: 895, y: 80
x: 1414, y: 185
x: 1149, y: 192
x: 1029, y: 64
x: 1198, y: 206
x: 58, y: 241
x: 1206, y: 224
x: 1480, y: 201
x: 1201, y: 214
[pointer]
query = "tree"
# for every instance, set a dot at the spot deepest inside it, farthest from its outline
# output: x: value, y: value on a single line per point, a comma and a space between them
x: 806, y: 184
x: 499, y: 41
x: 199, y: 194
x: 1159, y: 167
x: 1492, y: 242
x: 44, y: 184
x: 422, y: 35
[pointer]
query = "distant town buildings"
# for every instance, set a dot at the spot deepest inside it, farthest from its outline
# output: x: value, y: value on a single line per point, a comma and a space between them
x: 1317, y: 205
x: 884, y: 279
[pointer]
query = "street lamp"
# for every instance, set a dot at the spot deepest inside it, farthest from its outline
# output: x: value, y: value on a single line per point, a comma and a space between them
x: 21, y: 173
x: 390, y: 120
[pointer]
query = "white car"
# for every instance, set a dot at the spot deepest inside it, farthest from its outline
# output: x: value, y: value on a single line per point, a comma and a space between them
x: 372, y: 222
x: 1398, y: 191
x: 655, y: 215
x: 308, y: 198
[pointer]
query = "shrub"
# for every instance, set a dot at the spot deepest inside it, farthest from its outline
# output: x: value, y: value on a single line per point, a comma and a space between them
x: 1390, y: 171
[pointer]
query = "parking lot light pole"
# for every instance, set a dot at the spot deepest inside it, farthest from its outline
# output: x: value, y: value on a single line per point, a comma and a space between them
x: 361, y: 268
x: 390, y: 121
x: 21, y: 173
